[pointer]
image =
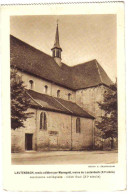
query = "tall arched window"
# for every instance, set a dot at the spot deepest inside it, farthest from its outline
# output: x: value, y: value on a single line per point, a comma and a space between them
x: 43, y: 121
x: 31, y: 84
x: 58, y: 93
x: 78, y: 125
x: 69, y: 96
x: 46, y: 89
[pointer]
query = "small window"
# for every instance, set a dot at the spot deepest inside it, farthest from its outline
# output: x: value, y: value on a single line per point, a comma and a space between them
x: 58, y: 93
x: 60, y: 54
x: 53, y: 53
x: 31, y: 84
x: 78, y: 125
x: 46, y: 89
x: 43, y: 121
x: 57, y: 53
x: 69, y: 96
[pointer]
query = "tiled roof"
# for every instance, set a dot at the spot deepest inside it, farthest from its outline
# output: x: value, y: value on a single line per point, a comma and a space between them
x: 89, y: 74
x: 47, y: 102
x: 34, y: 61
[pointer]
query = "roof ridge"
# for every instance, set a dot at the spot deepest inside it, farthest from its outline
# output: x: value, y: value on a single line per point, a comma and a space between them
x: 83, y: 63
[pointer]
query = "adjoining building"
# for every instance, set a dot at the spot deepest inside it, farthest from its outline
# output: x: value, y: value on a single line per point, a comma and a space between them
x: 63, y: 99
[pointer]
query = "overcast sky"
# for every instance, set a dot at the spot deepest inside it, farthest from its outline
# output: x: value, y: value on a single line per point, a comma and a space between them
x: 82, y: 37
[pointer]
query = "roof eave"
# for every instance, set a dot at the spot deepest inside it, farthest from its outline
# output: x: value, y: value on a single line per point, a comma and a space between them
x: 62, y: 112
x: 55, y: 47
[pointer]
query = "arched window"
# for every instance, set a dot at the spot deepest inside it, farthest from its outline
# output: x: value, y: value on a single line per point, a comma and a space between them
x: 46, y: 89
x: 69, y: 96
x: 58, y: 93
x: 31, y: 84
x: 78, y: 125
x: 43, y: 121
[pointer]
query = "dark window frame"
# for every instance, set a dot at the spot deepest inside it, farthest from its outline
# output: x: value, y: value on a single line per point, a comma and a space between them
x: 31, y: 82
x: 58, y: 93
x: 46, y: 89
x: 43, y: 121
x: 57, y: 53
x: 69, y: 96
x: 78, y: 125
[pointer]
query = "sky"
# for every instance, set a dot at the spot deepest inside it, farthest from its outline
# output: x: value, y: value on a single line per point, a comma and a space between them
x: 82, y: 37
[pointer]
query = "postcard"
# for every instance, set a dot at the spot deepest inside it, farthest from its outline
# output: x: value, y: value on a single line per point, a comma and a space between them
x: 63, y: 97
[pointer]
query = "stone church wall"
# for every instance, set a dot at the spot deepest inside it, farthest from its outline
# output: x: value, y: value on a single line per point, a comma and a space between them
x: 57, y: 135
x: 60, y: 134
x: 18, y: 135
x: 87, y: 99
x: 84, y: 139
x: 39, y: 86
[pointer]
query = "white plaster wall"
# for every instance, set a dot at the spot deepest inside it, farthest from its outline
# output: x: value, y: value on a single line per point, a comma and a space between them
x: 39, y: 86
x: 63, y: 92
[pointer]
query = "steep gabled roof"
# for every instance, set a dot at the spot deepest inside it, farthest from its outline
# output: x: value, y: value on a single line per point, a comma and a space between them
x: 47, y: 102
x: 36, y: 62
x: 89, y: 74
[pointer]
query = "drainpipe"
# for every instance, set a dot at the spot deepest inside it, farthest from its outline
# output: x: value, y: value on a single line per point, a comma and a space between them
x: 51, y: 89
x: 93, y: 134
x: 36, y: 129
x: 71, y: 132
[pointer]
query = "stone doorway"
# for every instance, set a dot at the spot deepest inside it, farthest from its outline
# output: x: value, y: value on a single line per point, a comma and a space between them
x: 28, y: 141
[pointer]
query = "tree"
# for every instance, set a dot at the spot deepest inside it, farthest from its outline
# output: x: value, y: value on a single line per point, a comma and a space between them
x: 19, y: 101
x: 108, y: 123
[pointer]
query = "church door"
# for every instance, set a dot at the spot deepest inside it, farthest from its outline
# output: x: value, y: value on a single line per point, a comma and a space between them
x: 28, y: 141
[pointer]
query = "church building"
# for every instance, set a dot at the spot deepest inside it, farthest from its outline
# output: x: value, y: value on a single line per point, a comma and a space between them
x: 63, y: 99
